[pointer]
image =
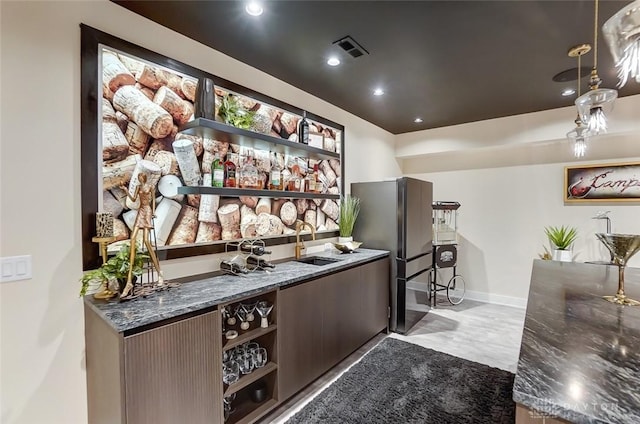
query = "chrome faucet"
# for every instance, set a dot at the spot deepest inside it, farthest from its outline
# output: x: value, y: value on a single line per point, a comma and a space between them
x: 299, y: 244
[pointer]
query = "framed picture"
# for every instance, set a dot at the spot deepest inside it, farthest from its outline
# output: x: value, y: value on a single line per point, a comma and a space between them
x: 617, y: 182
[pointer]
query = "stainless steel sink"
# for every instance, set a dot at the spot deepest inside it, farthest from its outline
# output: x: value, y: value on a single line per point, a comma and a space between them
x: 317, y: 260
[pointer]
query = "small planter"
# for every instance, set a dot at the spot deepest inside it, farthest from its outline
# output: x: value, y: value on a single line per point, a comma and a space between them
x: 343, y: 240
x: 562, y: 255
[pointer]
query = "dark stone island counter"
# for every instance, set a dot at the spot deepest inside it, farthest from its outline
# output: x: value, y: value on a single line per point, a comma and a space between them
x: 580, y: 355
x: 205, y: 293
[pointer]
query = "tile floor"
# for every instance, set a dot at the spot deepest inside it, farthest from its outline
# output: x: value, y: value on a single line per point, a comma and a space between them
x: 481, y: 332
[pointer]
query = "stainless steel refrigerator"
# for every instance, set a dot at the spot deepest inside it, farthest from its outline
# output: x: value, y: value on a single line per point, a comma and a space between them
x: 396, y: 215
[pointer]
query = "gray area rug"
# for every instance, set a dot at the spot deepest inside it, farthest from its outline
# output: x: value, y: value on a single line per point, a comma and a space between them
x: 399, y: 382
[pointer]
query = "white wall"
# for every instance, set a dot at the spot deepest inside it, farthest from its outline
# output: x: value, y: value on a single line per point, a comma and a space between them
x: 42, y: 370
x: 510, y: 188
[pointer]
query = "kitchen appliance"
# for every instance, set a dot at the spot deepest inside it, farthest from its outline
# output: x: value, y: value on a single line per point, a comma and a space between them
x: 396, y: 215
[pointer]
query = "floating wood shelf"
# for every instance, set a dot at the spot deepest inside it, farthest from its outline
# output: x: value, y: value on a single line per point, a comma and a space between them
x: 223, y: 132
x: 236, y: 192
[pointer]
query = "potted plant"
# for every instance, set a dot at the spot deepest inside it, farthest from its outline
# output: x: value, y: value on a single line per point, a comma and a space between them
x: 115, y: 270
x: 349, y: 210
x: 561, y: 239
x: 232, y: 112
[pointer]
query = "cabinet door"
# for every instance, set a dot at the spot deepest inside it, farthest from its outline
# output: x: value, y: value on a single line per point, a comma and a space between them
x: 341, y: 316
x: 173, y: 373
x: 299, y: 336
x: 374, y: 289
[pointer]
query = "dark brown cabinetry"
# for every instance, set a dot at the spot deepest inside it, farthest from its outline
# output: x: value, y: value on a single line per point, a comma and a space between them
x: 324, y: 320
x: 168, y: 374
x: 172, y: 373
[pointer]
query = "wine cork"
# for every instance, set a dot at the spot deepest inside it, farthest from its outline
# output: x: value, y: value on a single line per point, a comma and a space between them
x: 104, y: 224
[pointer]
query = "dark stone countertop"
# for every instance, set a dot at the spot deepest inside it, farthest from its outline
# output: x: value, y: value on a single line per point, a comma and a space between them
x: 580, y: 355
x: 207, y: 292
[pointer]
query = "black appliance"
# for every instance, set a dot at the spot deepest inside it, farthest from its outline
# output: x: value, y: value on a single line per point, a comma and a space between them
x: 396, y: 215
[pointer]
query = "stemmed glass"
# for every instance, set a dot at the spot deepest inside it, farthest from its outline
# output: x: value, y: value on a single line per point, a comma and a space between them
x: 622, y: 247
x: 242, y: 316
x: 249, y: 309
x: 264, y: 309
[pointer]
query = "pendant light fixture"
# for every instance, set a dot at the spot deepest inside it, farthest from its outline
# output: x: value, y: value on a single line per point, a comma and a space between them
x: 579, y: 136
x: 622, y: 33
x: 591, y: 104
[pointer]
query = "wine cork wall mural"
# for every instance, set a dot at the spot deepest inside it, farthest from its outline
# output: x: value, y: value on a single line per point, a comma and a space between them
x: 142, y: 109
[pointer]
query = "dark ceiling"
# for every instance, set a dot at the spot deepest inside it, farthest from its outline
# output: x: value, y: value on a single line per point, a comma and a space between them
x: 448, y: 62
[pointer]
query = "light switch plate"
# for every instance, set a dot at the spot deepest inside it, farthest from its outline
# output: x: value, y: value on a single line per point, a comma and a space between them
x: 15, y: 268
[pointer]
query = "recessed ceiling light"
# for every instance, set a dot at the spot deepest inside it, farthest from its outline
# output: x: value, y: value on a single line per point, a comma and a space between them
x: 254, y: 8
x: 333, y: 61
x: 568, y: 92
x: 417, y: 120
x: 378, y: 92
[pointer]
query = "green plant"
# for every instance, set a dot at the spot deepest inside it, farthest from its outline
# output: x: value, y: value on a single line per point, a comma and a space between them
x: 116, y: 267
x: 232, y: 112
x: 561, y: 237
x: 349, y: 210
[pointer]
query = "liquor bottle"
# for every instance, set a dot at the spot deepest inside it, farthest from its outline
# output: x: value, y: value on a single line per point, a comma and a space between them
x: 229, y: 172
x: 217, y: 172
x: 310, y: 183
x: 317, y: 187
x: 294, y: 182
x: 275, y: 176
x: 303, y: 129
x: 249, y: 177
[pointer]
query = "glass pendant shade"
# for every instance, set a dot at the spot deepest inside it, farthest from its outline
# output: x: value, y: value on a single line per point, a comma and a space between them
x: 579, y: 139
x: 591, y: 107
x: 622, y: 33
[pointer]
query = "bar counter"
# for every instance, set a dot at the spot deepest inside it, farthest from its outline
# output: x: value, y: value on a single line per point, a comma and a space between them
x: 580, y: 355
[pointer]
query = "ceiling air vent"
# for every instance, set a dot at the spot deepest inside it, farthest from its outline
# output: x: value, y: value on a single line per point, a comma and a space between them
x: 351, y: 46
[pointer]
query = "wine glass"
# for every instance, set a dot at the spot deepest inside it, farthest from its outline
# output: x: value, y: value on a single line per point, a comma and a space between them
x: 264, y: 309
x: 622, y: 247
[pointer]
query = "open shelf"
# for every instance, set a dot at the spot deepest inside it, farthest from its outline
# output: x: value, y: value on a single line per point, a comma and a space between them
x: 236, y: 192
x: 245, y: 380
x: 223, y: 132
x: 249, y: 335
x: 246, y: 413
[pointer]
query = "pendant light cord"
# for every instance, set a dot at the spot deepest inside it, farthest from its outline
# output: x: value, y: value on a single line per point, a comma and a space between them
x: 579, y: 72
x: 595, y: 38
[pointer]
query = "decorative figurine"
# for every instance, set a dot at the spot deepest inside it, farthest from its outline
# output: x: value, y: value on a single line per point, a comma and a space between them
x: 144, y: 220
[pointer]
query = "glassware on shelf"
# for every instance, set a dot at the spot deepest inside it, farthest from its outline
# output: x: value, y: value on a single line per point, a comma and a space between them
x: 249, y: 309
x: 230, y: 371
x: 226, y: 401
x: 622, y: 247
x: 259, y: 356
x: 264, y: 309
x: 295, y: 180
x: 245, y: 363
x: 242, y: 316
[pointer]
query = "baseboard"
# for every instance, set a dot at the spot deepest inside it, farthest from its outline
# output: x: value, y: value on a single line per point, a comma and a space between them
x: 516, y: 302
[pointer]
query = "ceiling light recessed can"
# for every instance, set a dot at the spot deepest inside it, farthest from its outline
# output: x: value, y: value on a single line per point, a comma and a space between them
x: 378, y: 92
x: 568, y: 92
x: 417, y: 120
x: 254, y: 8
x: 333, y: 61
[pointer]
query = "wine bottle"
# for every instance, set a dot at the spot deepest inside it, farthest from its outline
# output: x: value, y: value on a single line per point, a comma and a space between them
x: 254, y: 249
x: 260, y: 263
x: 205, y: 99
x: 217, y: 172
x: 303, y: 129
